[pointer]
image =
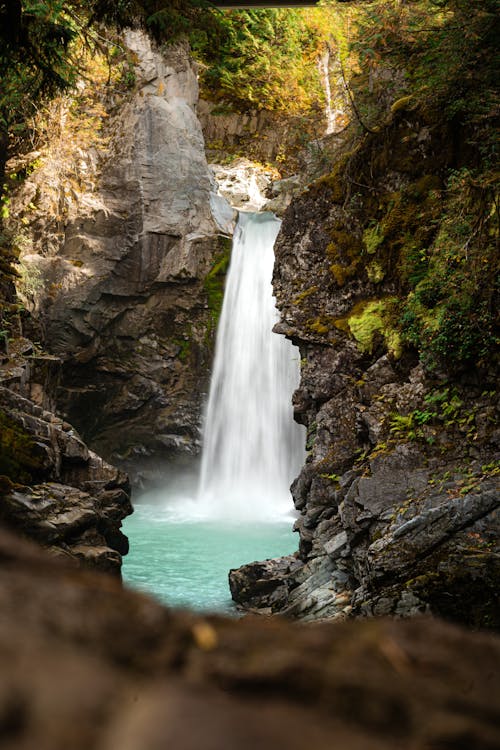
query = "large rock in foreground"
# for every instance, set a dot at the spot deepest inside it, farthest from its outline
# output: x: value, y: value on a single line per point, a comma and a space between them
x: 86, y: 664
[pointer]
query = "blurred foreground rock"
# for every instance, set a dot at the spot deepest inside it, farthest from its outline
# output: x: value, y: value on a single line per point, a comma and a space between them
x: 87, y: 664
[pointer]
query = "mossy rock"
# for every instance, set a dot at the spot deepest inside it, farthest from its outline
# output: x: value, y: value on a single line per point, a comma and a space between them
x: 334, y: 181
x: 373, y: 237
x: 318, y: 325
x: 21, y: 457
x: 342, y: 274
x: 346, y: 250
x: 215, y: 281
x: 465, y: 589
x: 299, y: 298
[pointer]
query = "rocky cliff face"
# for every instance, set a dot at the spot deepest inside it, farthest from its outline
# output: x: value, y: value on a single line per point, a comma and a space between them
x: 398, y: 499
x: 130, y: 272
x: 53, y: 489
x: 264, y: 136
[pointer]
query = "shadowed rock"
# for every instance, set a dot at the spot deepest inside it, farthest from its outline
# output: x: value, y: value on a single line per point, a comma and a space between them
x: 54, y: 490
x: 87, y: 664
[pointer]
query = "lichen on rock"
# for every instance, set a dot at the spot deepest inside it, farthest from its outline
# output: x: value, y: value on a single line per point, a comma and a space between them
x: 398, y: 498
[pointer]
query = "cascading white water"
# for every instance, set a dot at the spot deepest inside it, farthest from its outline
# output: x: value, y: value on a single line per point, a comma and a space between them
x: 183, y: 542
x: 252, y: 449
x: 324, y: 68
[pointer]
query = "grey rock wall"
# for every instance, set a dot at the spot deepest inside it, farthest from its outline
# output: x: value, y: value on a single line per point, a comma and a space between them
x: 399, y: 498
x: 124, y: 300
x: 53, y: 489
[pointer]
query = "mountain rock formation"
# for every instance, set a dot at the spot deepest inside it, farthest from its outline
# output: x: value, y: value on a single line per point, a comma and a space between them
x: 130, y: 272
x: 399, y: 497
x: 53, y: 489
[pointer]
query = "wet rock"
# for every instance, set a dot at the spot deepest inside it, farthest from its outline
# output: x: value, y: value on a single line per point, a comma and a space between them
x: 401, y: 476
x: 263, y: 584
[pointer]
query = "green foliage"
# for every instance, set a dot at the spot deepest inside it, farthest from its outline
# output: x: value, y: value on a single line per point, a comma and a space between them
x: 448, y: 49
x: 35, y: 38
x: 443, y: 408
x: 263, y: 58
x: 42, y: 41
x: 332, y: 477
x: 449, y: 313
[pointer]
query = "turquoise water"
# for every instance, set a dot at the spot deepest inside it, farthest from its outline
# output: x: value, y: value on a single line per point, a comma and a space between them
x: 184, y: 560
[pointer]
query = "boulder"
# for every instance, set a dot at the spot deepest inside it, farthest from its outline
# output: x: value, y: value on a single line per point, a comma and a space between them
x: 54, y: 490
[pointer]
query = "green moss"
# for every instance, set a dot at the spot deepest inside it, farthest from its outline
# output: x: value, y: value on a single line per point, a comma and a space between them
x: 370, y: 318
x: 335, y: 180
x: 342, y: 274
x: 372, y: 238
x: 318, y: 325
x: 343, y: 244
x: 421, y: 189
x: 375, y: 272
x: 346, y: 249
x: 365, y: 323
x: 215, y: 282
x: 304, y: 295
x: 449, y: 313
x: 20, y: 456
x: 184, y: 348
x: 401, y: 103
x: 398, y: 220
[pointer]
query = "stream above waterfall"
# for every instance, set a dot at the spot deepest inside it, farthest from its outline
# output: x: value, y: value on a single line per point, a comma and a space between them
x: 237, y: 507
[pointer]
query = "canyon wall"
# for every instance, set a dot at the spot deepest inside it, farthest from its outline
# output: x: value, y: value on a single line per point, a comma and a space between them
x: 129, y: 260
x: 398, y: 498
x: 53, y: 489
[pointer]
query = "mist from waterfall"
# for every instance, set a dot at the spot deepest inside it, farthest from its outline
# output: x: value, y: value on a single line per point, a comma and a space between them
x: 187, y: 534
x: 252, y: 449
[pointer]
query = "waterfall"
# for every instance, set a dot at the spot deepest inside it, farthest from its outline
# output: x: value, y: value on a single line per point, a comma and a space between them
x: 324, y: 68
x: 252, y: 449
x: 184, y: 540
